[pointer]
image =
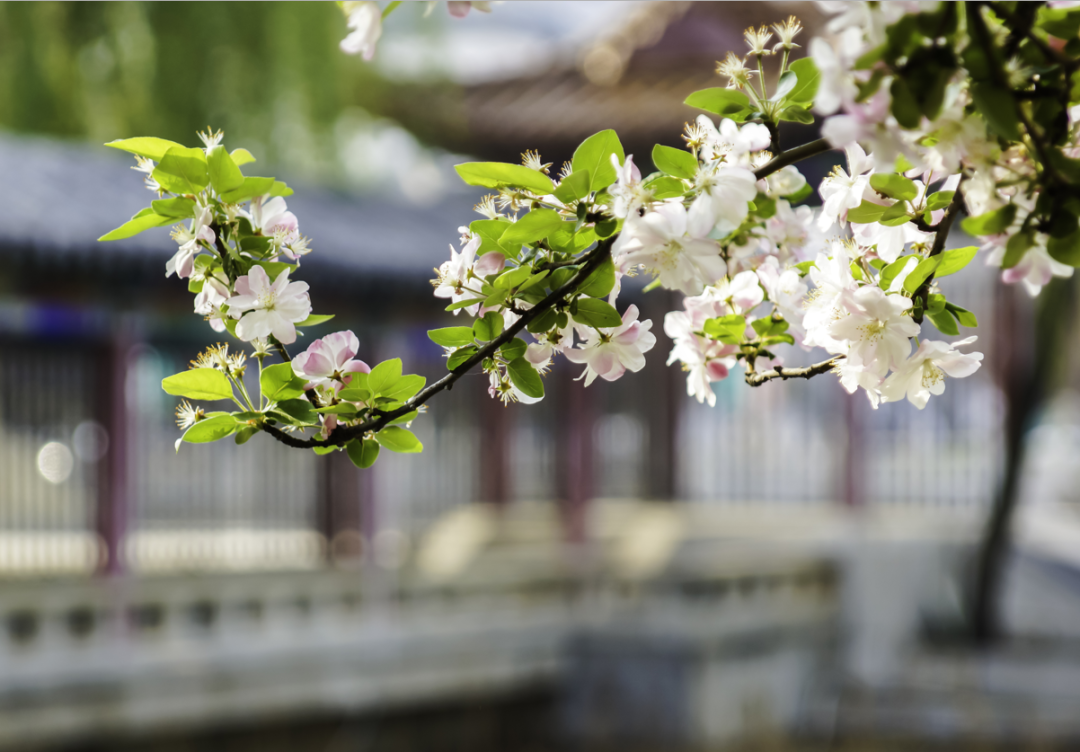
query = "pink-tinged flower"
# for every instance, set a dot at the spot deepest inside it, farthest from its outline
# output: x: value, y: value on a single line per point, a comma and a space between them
x: 365, y: 20
x: 786, y: 290
x: 1035, y: 269
x: 704, y: 360
x: 792, y: 234
x: 183, y: 262
x: 459, y: 278
x: 274, y: 220
x: 608, y: 353
x: 272, y: 308
x: 853, y: 375
x: 328, y: 361
x: 836, y: 85
x: 628, y: 192
x: 924, y: 372
x: 461, y: 8
x: 672, y: 244
x: 208, y: 302
x: 832, y: 278
x: 725, y: 197
x: 877, y: 329
x: 742, y: 293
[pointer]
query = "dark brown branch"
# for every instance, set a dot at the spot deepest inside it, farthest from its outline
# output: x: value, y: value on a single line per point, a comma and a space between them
x: 791, y: 156
x: 344, y: 435
x: 941, y: 234
x: 757, y: 379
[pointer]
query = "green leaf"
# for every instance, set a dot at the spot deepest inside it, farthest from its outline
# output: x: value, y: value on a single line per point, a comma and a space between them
x: 315, y: 319
x: 463, y: 304
x: 384, y: 375
x: 460, y: 356
x: 594, y: 155
x: 866, y: 213
x: 894, y: 186
x: 920, y: 273
x: 300, y: 411
x: 905, y: 107
x: 321, y: 451
x: 503, y: 175
x: 489, y: 327
x: 244, y: 434
x: 676, y: 162
x: 280, y: 189
x: 888, y: 274
x: 596, y: 313
x: 1066, y: 249
x: 727, y: 103
x: 574, y: 187
x: 963, y: 315
x: 944, y: 323
x: 405, y: 387
x: 342, y: 408
x: 796, y: 114
x: 1016, y: 248
x: 535, y: 225
x: 135, y: 225
x: 145, y: 146
x: 363, y: 453
x: 177, y: 208
x: 730, y: 330
x: 784, y: 85
x: 954, y: 260
x: 808, y: 79
x: 601, y: 282
x: 804, y: 267
x: 279, y: 382
x: 513, y: 349
x: 525, y: 378
x: 452, y: 336
x: 939, y: 200
x: 199, y: 384
x: 998, y: 108
x: 665, y: 187
x: 211, y: 429
x: 241, y: 157
x: 182, y: 170
x: 399, y: 440
x: 512, y: 278
x: 895, y: 215
x: 250, y: 188
x: 990, y: 223
x: 224, y: 174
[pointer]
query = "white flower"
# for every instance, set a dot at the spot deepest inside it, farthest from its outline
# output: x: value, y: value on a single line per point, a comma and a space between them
x: 854, y: 374
x: 272, y: 308
x: 876, y: 329
x: 462, y: 269
x: 924, y: 372
x: 836, y: 85
x: 785, y: 181
x: 741, y: 293
x: 674, y: 245
x: 730, y: 139
x: 609, y: 353
x: 704, y: 360
x: 841, y: 190
x: 628, y: 192
x: 183, y: 262
x: 272, y: 216
x: 365, y: 20
x: 832, y: 278
x: 792, y: 233
x: 208, y: 302
x: 786, y: 290
x: 725, y: 197
x: 888, y: 241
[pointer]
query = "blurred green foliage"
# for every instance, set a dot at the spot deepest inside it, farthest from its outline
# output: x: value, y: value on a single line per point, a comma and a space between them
x: 270, y: 74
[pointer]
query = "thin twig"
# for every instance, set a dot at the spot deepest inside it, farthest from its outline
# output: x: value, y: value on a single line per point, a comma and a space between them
x: 941, y: 234
x: 791, y: 156
x: 757, y: 379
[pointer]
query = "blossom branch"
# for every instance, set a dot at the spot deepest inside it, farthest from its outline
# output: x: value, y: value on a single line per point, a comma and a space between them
x: 757, y: 379
x: 344, y: 435
x: 941, y: 234
x: 791, y: 156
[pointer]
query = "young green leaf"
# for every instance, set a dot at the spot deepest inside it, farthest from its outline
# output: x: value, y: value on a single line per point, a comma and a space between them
x: 363, y: 452
x: 535, y: 225
x: 384, y: 375
x: 525, y: 378
x: 145, y: 146
x: 182, y: 170
x: 177, y: 208
x: 144, y: 220
x: 489, y: 327
x: 596, y: 313
x: 513, y: 349
x: 676, y: 162
x: 727, y: 103
x: 594, y: 155
x: 278, y: 382
x: 315, y: 319
x: 199, y: 384
x: 241, y: 157
x: 504, y: 175
x: 601, y: 281
x: 250, y: 188
x: 300, y: 411
x: 574, y: 187
x: 730, y: 330
x: 963, y: 315
x: 460, y: 356
x: 405, y: 387
x: 399, y: 440
x: 990, y: 223
x: 224, y: 174
x: 210, y: 429
x: 512, y: 278
x: 956, y: 259
x: 808, y: 79
x: 451, y: 336
x: 894, y: 186
x: 944, y: 323
x: 866, y: 213
x: 920, y: 273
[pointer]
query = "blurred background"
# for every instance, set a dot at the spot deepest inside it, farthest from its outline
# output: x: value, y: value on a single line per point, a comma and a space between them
x: 617, y: 568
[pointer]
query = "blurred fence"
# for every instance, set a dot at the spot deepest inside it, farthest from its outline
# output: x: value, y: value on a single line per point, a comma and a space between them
x: 88, y: 463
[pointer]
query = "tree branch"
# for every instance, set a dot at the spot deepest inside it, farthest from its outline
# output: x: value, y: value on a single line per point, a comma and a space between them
x: 757, y: 379
x: 791, y: 156
x: 941, y: 234
x: 344, y: 435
